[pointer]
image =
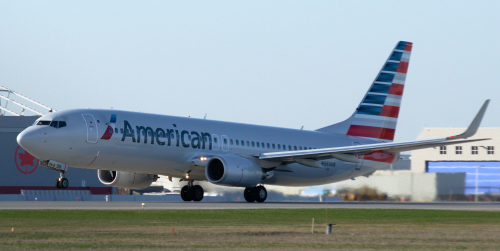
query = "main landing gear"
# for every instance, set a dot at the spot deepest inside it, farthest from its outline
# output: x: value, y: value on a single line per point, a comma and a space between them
x: 62, y: 182
x: 192, y: 193
x: 258, y: 193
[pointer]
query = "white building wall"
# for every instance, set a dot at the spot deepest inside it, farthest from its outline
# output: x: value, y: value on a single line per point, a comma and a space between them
x: 419, y: 157
x: 421, y: 187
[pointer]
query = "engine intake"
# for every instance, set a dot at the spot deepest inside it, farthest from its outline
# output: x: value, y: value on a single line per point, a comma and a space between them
x: 234, y: 171
x: 125, y: 179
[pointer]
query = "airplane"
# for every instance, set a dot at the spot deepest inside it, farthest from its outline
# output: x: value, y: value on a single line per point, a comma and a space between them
x: 130, y: 149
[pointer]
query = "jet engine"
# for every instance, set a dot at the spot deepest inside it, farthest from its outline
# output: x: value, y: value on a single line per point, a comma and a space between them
x: 126, y: 179
x: 236, y: 171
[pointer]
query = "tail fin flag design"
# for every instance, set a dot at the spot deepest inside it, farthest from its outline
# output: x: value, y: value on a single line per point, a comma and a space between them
x: 377, y: 114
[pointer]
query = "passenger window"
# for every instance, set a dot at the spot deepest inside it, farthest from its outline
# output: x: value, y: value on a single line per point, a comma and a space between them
x: 225, y: 141
x: 248, y: 143
x: 121, y: 130
x: 231, y: 141
x: 263, y: 145
x: 237, y: 142
x: 279, y: 147
x: 258, y: 144
x: 289, y: 147
x: 295, y: 148
x: 274, y: 147
x: 116, y: 129
x: 215, y: 140
x: 268, y: 145
x: 300, y: 148
x: 253, y: 144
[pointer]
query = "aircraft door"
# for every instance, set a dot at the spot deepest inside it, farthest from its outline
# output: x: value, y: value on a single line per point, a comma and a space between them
x: 225, y: 143
x: 92, y: 134
x: 215, y: 146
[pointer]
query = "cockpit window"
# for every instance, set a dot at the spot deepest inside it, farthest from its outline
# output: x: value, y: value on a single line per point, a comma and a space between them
x: 55, y: 123
x: 43, y: 122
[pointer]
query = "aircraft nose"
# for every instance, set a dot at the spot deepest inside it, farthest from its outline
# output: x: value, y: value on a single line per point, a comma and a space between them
x: 29, y: 140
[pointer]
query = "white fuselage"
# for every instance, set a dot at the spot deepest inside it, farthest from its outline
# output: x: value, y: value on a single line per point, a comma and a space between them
x: 167, y: 145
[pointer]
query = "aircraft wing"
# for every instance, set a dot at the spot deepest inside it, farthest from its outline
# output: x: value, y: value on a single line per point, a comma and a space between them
x: 325, y: 153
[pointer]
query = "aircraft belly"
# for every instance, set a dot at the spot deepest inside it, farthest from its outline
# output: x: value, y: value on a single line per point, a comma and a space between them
x: 130, y: 158
x: 307, y: 176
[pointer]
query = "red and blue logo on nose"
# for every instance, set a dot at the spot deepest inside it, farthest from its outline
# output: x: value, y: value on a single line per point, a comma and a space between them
x: 109, y: 131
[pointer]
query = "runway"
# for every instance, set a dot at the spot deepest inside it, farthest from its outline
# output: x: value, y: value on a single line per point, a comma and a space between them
x: 115, y: 205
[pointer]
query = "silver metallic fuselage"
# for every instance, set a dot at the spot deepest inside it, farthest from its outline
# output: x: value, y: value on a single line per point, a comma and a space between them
x: 70, y: 145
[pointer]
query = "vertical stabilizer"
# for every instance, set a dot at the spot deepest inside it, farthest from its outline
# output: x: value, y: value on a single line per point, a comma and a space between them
x: 377, y: 114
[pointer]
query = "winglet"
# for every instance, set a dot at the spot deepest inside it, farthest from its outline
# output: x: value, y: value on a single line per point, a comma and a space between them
x: 474, y: 125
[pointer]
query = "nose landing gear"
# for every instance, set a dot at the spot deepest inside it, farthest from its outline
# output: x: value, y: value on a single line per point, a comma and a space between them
x: 62, y: 182
x: 258, y: 193
x: 192, y: 193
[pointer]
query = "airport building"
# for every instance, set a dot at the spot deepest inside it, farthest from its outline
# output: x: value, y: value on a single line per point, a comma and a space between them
x: 19, y: 169
x: 480, y: 161
x: 439, y: 173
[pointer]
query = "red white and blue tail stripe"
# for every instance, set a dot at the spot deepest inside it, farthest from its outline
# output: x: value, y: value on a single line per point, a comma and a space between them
x: 377, y: 114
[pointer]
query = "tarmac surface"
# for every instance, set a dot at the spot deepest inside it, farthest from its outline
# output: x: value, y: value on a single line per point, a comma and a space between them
x: 117, y: 205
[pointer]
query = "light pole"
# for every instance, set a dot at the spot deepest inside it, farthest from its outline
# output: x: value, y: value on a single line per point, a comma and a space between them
x: 477, y: 181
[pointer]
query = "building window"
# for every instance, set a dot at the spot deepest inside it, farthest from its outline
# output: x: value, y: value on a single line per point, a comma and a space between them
x: 491, y: 150
x: 474, y: 150
x: 458, y: 150
x: 442, y: 150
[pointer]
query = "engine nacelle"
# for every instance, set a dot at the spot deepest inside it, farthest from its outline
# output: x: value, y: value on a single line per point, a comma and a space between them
x: 125, y: 179
x: 236, y: 171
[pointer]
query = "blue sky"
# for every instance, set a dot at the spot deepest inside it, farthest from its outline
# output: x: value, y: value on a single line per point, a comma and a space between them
x: 278, y: 63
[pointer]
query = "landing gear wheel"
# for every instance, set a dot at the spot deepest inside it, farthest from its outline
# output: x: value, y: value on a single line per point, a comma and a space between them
x: 248, y: 195
x: 197, y: 193
x: 260, y: 193
x: 185, y: 193
x: 64, y: 183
